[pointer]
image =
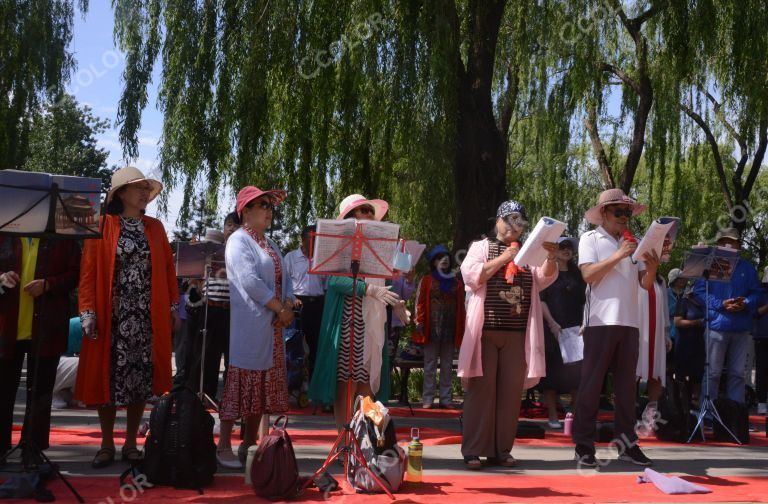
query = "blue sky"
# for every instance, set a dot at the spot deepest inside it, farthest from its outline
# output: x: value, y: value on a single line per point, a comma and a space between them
x: 97, y: 82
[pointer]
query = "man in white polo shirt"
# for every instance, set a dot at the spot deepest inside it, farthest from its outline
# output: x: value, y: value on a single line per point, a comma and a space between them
x: 611, y: 336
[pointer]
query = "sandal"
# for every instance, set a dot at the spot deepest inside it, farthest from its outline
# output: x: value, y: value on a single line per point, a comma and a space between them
x: 503, y: 461
x: 104, y: 457
x: 130, y: 454
x: 473, y: 463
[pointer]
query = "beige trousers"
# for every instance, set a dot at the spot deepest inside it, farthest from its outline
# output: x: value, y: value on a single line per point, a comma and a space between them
x: 492, y: 401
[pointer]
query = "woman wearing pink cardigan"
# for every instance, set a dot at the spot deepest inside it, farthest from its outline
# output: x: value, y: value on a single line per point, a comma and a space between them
x: 502, y: 352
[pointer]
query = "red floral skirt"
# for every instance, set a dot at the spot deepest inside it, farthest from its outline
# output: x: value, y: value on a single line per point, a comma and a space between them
x: 248, y: 392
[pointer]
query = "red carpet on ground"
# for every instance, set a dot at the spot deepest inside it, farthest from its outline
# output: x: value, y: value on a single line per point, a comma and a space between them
x: 467, y: 489
x: 91, y: 436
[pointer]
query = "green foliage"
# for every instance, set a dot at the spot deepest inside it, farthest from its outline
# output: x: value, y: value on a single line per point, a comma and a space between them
x: 62, y: 140
x: 326, y: 98
x: 34, y: 65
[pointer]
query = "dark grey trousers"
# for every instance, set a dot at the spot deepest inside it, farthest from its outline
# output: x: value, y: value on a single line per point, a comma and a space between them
x: 613, y: 348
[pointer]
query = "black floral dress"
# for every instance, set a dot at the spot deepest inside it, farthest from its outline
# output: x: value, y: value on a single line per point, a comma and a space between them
x: 131, y: 369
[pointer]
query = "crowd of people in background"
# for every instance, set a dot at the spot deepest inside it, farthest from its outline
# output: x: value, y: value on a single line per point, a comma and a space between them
x: 498, y: 324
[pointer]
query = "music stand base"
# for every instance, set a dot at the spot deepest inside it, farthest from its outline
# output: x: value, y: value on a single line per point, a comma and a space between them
x: 343, y: 446
x: 28, y: 448
x: 707, y: 405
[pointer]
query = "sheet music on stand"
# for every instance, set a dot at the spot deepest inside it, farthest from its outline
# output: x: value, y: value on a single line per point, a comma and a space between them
x: 332, y: 247
x: 718, y: 261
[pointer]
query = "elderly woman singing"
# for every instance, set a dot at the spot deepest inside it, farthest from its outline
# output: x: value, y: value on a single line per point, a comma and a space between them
x: 503, y: 339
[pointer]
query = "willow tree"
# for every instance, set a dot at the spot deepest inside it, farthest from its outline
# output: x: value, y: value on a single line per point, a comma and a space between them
x: 725, y: 44
x: 35, y: 63
x: 412, y: 101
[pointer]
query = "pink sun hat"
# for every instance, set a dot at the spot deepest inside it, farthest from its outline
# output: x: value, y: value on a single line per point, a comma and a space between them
x: 353, y: 201
x: 250, y: 193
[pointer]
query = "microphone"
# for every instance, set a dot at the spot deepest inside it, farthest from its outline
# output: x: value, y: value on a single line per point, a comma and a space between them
x: 512, y: 269
x: 629, y: 238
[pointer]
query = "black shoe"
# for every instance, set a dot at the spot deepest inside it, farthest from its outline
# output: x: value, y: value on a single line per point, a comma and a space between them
x: 585, y: 456
x: 636, y: 456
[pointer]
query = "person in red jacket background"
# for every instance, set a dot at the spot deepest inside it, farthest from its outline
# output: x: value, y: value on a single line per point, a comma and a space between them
x: 439, y: 323
x: 34, y: 274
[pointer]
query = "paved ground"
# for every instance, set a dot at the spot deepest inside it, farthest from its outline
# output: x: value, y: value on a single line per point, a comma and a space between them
x: 700, y: 460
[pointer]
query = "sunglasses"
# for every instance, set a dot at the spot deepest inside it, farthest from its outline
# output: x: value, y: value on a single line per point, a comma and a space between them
x: 515, y: 218
x: 264, y: 205
x: 366, y: 210
x: 621, y: 212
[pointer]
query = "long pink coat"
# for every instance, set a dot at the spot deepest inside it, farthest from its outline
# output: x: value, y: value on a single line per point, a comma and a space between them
x: 470, y: 362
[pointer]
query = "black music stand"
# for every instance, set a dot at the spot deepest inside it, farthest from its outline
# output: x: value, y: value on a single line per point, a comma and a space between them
x: 712, y: 264
x: 346, y: 443
x: 188, y: 258
x: 63, y: 221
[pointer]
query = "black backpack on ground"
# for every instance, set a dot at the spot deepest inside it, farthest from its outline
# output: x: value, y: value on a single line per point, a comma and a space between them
x: 179, y: 450
x: 735, y: 416
x: 675, y: 422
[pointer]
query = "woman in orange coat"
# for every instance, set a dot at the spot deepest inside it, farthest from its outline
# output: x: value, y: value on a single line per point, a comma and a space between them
x: 128, y: 303
x: 439, y: 323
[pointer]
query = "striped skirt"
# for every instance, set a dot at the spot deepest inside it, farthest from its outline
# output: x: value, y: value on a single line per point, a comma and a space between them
x: 359, y: 372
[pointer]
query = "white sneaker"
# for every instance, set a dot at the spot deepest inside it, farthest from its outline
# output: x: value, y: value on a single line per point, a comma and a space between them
x: 57, y: 403
x: 762, y: 408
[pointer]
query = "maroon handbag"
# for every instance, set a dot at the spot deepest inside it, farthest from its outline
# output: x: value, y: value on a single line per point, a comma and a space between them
x: 274, y: 471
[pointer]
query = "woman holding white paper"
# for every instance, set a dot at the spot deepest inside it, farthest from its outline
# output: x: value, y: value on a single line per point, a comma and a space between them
x: 502, y: 351
x: 562, y: 304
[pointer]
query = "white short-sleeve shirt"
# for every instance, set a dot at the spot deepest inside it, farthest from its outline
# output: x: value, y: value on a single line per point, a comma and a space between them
x: 613, y: 300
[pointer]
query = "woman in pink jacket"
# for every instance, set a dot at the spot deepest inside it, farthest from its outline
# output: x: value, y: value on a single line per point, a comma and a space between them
x: 503, y: 348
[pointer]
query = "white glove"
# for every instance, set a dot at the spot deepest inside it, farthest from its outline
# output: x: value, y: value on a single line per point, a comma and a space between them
x: 382, y: 294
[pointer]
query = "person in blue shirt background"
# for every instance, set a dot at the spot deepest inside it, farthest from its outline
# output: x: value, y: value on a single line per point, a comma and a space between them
x: 675, y: 292
x: 732, y: 307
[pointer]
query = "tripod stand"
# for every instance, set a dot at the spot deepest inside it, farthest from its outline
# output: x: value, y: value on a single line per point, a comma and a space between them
x: 192, y: 261
x: 205, y: 398
x: 346, y: 443
x: 707, y: 405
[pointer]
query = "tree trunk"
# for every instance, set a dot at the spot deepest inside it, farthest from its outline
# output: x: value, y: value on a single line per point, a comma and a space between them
x: 480, y: 161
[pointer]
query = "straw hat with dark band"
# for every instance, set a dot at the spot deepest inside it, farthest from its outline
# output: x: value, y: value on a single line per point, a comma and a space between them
x: 132, y: 175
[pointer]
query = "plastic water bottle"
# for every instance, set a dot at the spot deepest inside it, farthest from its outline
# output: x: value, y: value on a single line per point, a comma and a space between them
x: 568, y: 424
x: 415, y: 450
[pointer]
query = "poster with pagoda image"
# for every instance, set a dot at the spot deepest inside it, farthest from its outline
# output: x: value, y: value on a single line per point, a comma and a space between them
x: 78, y: 205
x: 29, y: 205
